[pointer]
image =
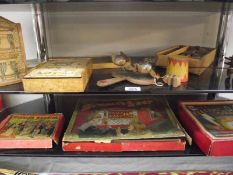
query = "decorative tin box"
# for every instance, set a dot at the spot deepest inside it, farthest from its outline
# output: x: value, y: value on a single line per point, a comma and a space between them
x: 12, y: 54
x: 65, y: 75
x: 197, y: 64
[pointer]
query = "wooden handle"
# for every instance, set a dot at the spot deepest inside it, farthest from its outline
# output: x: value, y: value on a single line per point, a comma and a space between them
x: 108, y: 82
x: 141, y: 81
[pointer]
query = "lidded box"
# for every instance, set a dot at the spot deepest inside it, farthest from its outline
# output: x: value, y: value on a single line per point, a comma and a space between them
x: 60, y: 75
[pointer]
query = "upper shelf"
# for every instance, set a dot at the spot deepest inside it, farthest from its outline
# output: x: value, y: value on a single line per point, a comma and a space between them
x: 210, y: 81
x: 77, y: 32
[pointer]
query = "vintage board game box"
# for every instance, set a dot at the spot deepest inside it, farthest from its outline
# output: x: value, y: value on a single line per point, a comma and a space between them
x: 125, y: 125
x: 30, y: 131
x: 12, y: 53
x: 199, y: 58
x: 210, y: 124
x: 64, y: 75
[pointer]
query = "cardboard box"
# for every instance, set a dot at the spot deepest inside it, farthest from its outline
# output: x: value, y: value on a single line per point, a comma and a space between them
x: 30, y: 131
x: 64, y: 75
x: 128, y: 125
x: 12, y: 53
x: 210, y: 124
x: 196, y: 65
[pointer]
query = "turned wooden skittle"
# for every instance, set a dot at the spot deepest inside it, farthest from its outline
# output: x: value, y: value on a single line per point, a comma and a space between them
x: 133, y: 77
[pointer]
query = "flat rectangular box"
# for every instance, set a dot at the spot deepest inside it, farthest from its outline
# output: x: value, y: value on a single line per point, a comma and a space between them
x: 196, y: 65
x: 32, y: 131
x: 210, y: 124
x: 64, y: 75
x: 126, y: 125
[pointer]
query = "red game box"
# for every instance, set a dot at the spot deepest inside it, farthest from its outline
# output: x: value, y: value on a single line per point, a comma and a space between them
x: 30, y: 131
x: 126, y: 125
x: 210, y: 124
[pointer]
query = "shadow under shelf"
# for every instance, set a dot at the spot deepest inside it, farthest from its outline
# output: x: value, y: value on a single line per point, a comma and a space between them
x: 57, y: 152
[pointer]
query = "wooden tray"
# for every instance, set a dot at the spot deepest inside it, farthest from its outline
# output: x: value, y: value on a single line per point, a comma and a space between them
x: 196, y: 66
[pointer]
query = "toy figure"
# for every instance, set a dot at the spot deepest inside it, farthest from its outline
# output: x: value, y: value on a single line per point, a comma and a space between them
x: 49, y: 128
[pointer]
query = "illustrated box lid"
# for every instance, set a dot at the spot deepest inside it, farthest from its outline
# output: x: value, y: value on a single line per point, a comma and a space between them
x: 30, y: 130
x: 210, y: 124
x: 12, y: 53
x: 105, y: 121
x: 60, y: 68
x: 215, y: 118
x: 11, y: 45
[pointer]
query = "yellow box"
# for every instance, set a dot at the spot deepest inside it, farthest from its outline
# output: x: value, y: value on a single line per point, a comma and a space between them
x: 64, y: 75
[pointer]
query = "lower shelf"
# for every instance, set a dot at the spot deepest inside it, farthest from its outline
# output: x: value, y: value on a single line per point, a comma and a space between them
x: 55, y: 160
x: 37, y: 106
